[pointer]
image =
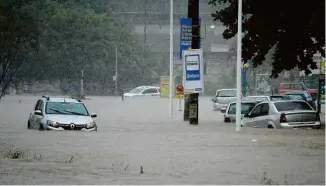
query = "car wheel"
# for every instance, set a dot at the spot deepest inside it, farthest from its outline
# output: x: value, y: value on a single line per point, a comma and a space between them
x: 41, y: 128
x: 270, y: 126
x: 28, y: 125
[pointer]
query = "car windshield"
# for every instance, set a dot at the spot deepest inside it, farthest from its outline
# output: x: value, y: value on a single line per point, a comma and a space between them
x: 66, y: 108
x: 226, y: 93
x: 245, y: 108
x: 296, y: 96
x: 294, y: 105
x: 256, y: 98
x: 136, y: 90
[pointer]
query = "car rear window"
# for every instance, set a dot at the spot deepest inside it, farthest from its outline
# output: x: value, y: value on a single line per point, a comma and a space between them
x: 226, y: 93
x: 245, y: 108
x: 278, y: 98
x: 293, y: 105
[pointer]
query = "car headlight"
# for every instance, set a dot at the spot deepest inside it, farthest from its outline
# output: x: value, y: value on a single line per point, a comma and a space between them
x: 90, y: 124
x: 52, y: 123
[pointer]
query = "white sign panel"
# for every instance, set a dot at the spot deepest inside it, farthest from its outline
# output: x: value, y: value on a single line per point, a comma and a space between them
x: 193, y: 71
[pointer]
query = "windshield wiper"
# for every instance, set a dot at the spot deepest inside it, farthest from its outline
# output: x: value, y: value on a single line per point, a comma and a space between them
x: 76, y: 113
x: 57, y: 111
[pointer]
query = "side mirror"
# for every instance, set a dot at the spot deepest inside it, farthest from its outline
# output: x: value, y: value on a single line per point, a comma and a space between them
x: 213, y: 99
x: 223, y: 110
x: 93, y: 115
x: 38, y: 112
x: 247, y: 115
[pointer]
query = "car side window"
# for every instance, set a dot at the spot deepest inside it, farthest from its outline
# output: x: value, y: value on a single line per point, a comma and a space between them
x: 150, y: 91
x: 38, y: 104
x: 256, y: 110
x: 264, y: 109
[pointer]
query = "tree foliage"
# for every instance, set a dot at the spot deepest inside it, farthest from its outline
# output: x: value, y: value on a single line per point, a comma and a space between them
x: 18, y: 36
x: 75, y: 35
x: 295, y: 28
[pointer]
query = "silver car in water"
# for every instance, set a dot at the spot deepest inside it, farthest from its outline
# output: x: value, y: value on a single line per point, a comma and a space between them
x: 282, y: 114
x: 61, y: 114
x: 223, y: 97
x: 230, y: 111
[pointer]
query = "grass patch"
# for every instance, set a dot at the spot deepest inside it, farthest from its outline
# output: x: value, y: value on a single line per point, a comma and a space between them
x: 14, y: 154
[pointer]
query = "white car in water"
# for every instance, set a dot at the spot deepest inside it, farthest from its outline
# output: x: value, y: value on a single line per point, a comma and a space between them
x: 223, y: 97
x: 143, y: 91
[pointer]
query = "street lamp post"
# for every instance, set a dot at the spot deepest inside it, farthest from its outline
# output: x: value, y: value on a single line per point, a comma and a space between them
x: 239, y: 50
x: 171, y: 61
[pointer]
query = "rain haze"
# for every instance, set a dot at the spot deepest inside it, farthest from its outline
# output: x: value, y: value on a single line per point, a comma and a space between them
x: 85, y: 88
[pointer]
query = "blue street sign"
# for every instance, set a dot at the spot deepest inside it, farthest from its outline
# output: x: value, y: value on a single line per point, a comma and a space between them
x: 186, y: 34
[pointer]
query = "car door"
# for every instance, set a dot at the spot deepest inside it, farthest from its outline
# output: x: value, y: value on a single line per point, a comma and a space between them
x: 39, y: 118
x: 263, y: 118
x: 254, y: 114
x: 32, y: 117
x: 150, y: 92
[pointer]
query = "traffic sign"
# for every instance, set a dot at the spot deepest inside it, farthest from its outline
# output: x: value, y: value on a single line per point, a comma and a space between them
x: 193, y: 73
x: 179, y: 96
x: 179, y: 89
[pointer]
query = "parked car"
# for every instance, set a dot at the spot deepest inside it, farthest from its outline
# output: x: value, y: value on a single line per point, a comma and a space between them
x: 230, y: 111
x: 282, y: 114
x: 143, y: 91
x: 267, y: 98
x: 223, y: 97
x: 297, y: 86
x: 61, y: 114
x: 303, y: 95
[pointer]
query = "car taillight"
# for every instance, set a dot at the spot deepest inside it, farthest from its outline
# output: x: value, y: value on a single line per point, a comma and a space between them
x: 282, y: 118
x: 317, y: 117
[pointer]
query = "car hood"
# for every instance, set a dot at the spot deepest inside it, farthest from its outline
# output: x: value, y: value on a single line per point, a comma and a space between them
x: 67, y: 119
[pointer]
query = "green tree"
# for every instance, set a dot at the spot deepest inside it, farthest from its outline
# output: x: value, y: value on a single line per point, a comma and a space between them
x: 18, y: 36
x: 295, y: 28
x: 80, y: 36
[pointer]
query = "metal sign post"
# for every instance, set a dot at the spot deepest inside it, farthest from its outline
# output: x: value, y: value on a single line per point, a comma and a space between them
x: 193, y: 81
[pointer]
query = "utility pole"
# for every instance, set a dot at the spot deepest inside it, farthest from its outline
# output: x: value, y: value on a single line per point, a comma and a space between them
x: 193, y: 13
x: 116, y: 69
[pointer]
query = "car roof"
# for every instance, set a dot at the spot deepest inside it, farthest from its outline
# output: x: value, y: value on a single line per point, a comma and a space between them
x: 246, y: 101
x: 226, y: 89
x: 255, y: 96
x: 282, y: 101
x: 61, y: 99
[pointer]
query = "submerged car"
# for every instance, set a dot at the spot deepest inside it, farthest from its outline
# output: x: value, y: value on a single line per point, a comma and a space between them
x: 143, y: 91
x: 282, y: 114
x: 223, y: 97
x: 61, y: 114
x: 230, y: 111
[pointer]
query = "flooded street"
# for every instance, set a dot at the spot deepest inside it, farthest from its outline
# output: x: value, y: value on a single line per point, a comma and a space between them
x: 138, y: 132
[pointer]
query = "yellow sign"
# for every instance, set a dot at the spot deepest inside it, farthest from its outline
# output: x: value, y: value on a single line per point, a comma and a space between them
x: 179, y: 96
x: 322, y: 67
x: 164, y: 86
